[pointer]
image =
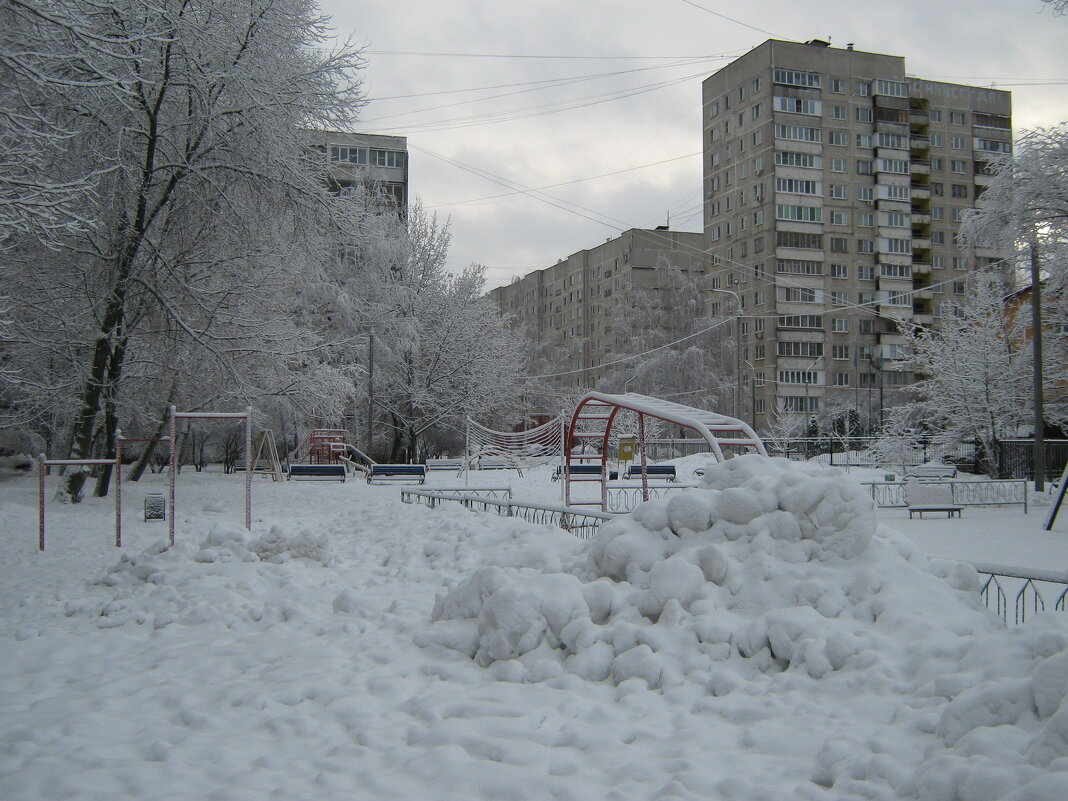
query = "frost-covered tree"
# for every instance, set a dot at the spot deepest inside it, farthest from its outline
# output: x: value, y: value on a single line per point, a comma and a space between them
x: 204, y: 211
x: 441, y: 352
x: 1025, y: 210
x: 974, y: 373
x: 683, y: 350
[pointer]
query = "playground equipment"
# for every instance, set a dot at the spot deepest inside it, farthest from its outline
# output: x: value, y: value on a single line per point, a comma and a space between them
x: 539, y: 445
x: 590, y: 434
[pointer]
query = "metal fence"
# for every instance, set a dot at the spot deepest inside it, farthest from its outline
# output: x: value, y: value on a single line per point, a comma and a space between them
x: 583, y: 523
x: 1016, y: 458
x: 1031, y: 591
x: 891, y: 494
x: 626, y: 499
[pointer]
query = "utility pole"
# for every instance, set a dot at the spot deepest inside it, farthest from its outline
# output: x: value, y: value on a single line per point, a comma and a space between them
x: 370, y: 392
x: 1039, y: 455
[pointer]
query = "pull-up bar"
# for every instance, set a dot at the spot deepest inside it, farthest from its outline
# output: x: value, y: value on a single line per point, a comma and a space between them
x: 175, y: 416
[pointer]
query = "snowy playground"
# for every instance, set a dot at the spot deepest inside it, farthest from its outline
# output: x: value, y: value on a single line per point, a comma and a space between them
x: 766, y: 636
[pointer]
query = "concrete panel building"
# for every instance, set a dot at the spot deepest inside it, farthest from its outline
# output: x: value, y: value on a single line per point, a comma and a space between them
x: 377, y: 162
x: 575, y: 305
x: 835, y: 185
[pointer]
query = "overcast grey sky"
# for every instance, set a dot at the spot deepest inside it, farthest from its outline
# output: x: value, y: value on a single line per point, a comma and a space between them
x: 543, y: 127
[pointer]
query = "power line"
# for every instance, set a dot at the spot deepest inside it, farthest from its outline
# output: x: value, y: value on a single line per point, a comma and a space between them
x: 548, y: 56
x: 735, y: 21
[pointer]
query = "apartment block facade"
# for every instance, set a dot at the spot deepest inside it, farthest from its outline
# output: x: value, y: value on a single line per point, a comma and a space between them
x: 379, y: 163
x: 574, y: 307
x: 835, y: 186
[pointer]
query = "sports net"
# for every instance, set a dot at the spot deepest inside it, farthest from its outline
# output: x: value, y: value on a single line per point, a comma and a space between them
x: 536, y: 446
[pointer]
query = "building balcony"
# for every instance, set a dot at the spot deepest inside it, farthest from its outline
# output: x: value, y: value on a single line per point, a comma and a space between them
x: 983, y: 180
x: 923, y: 318
x: 921, y: 243
x: 919, y: 143
x: 921, y: 193
x: 921, y: 217
x: 921, y: 268
x: 920, y: 167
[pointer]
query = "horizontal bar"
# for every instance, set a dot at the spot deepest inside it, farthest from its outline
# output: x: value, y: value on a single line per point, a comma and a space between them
x: 57, y: 462
x: 214, y: 416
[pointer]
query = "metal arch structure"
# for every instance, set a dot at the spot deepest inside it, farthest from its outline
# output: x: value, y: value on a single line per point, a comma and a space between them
x: 591, y: 424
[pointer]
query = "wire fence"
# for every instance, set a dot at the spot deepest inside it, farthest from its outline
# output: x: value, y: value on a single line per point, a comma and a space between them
x: 891, y: 494
x: 1031, y: 591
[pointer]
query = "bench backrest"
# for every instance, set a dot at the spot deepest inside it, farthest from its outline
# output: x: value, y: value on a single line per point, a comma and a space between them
x: 398, y: 469
x: 926, y: 493
x: 651, y: 470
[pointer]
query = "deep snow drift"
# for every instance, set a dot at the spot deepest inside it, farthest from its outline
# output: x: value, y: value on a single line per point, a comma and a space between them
x: 762, y: 637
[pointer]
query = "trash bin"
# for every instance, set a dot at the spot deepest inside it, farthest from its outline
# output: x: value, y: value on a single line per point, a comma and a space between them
x: 156, y: 506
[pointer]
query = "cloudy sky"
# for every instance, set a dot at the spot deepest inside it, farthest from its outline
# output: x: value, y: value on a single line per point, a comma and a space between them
x: 542, y: 127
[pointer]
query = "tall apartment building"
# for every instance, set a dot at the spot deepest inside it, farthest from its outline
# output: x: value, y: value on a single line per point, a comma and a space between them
x: 834, y: 189
x: 574, y: 306
x: 377, y: 162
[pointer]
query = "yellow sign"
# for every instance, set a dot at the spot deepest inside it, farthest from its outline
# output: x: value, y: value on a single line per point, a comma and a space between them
x: 626, y: 449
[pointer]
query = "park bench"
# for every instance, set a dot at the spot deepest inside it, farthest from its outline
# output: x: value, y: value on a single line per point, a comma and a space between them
x: 397, y: 472
x: 444, y: 464
x: 491, y: 463
x: 587, y: 472
x: 931, y: 471
x: 317, y: 472
x: 930, y: 497
x: 664, y: 471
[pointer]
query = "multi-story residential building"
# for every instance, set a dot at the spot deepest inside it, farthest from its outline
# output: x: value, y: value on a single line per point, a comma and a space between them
x: 379, y: 163
x: 835, y: 186
x: 575, y: 307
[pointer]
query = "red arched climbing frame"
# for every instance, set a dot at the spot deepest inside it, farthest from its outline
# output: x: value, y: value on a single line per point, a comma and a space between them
x: 591, y: 425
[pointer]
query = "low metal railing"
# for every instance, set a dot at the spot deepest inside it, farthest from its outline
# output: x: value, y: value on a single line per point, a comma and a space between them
x: 1032, y: 591
x: 626, y: 499
x: 890, y: 494
x: 583, y: 523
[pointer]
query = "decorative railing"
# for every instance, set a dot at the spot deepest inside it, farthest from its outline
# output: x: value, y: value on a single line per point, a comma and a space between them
x: 626, y: 499
x: 890, y: 494
x: 583, y: 523
x: 1031, y: 591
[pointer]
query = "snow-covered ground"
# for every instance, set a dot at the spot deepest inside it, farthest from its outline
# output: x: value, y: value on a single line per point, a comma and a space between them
x: 768, y: 636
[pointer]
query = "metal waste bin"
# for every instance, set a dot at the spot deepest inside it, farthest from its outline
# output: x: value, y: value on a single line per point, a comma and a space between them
x: 156, y: 506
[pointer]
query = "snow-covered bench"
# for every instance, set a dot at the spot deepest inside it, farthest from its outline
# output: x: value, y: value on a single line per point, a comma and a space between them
x: 588, y: 472
x: 923, y: 496
x: 444, y: 464
x: 317, y: 472
x: 664, y: 471
x: 931, y: 471
x: 397, y: 472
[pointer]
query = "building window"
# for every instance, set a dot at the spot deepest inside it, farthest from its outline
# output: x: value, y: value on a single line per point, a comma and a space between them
x: 838, y: 86
x: 838, y: 165
x: 798, y: 133
x: 794, y: 105
x: 864, y: 141
x: 956, y: 142
x: 937, y: 165
x: 810, y: 321
x: 799, y: 213
x: 938, y: 237
x: 840, y: 325
x: 867, y: 326
x: 841, y: 379
x: 839, y: 271
x: 808, y: 350
x: 958, y: 215
x: 891, y: 88
x: 862, y: 89
x: 840, y: 352
x: 938, y: 213
x: 935, y: 116
x: 895, y: 271
x: 863, y: 114
x: 754, y: 112
x: 866, y: 272
x: 894, y: 245
x: 798, y: 267
x: 837, y: 112
x: 959, y: 191
x: 866, y: 193
x: 864, y: 167
x: 839, y: 218
x: 897, y: 298
x: 799, y: 403
x: 349, y: 155
x: 787, y: 158
x: 797, y: 186
x: 756, y: 86
x: 837, y: 191
x: 386, y: 158
x: 798, y: 377
x: 956, y: 118
x: 791, y: 294
x: 960, y: 263
x: 866, y: 219
x: 937, y: 190
x: 838, y: 297
x: 795, y: 239
x: 796, y: 78
x: 865, y: 246
x: 839, y: 138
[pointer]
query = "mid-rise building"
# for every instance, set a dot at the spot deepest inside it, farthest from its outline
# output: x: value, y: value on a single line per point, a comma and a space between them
x: 835, y: 185
x: 577, y: 306
x: 378, y: 163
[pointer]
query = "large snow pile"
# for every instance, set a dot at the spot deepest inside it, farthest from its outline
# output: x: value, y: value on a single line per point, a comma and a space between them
x: 770, y: 574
